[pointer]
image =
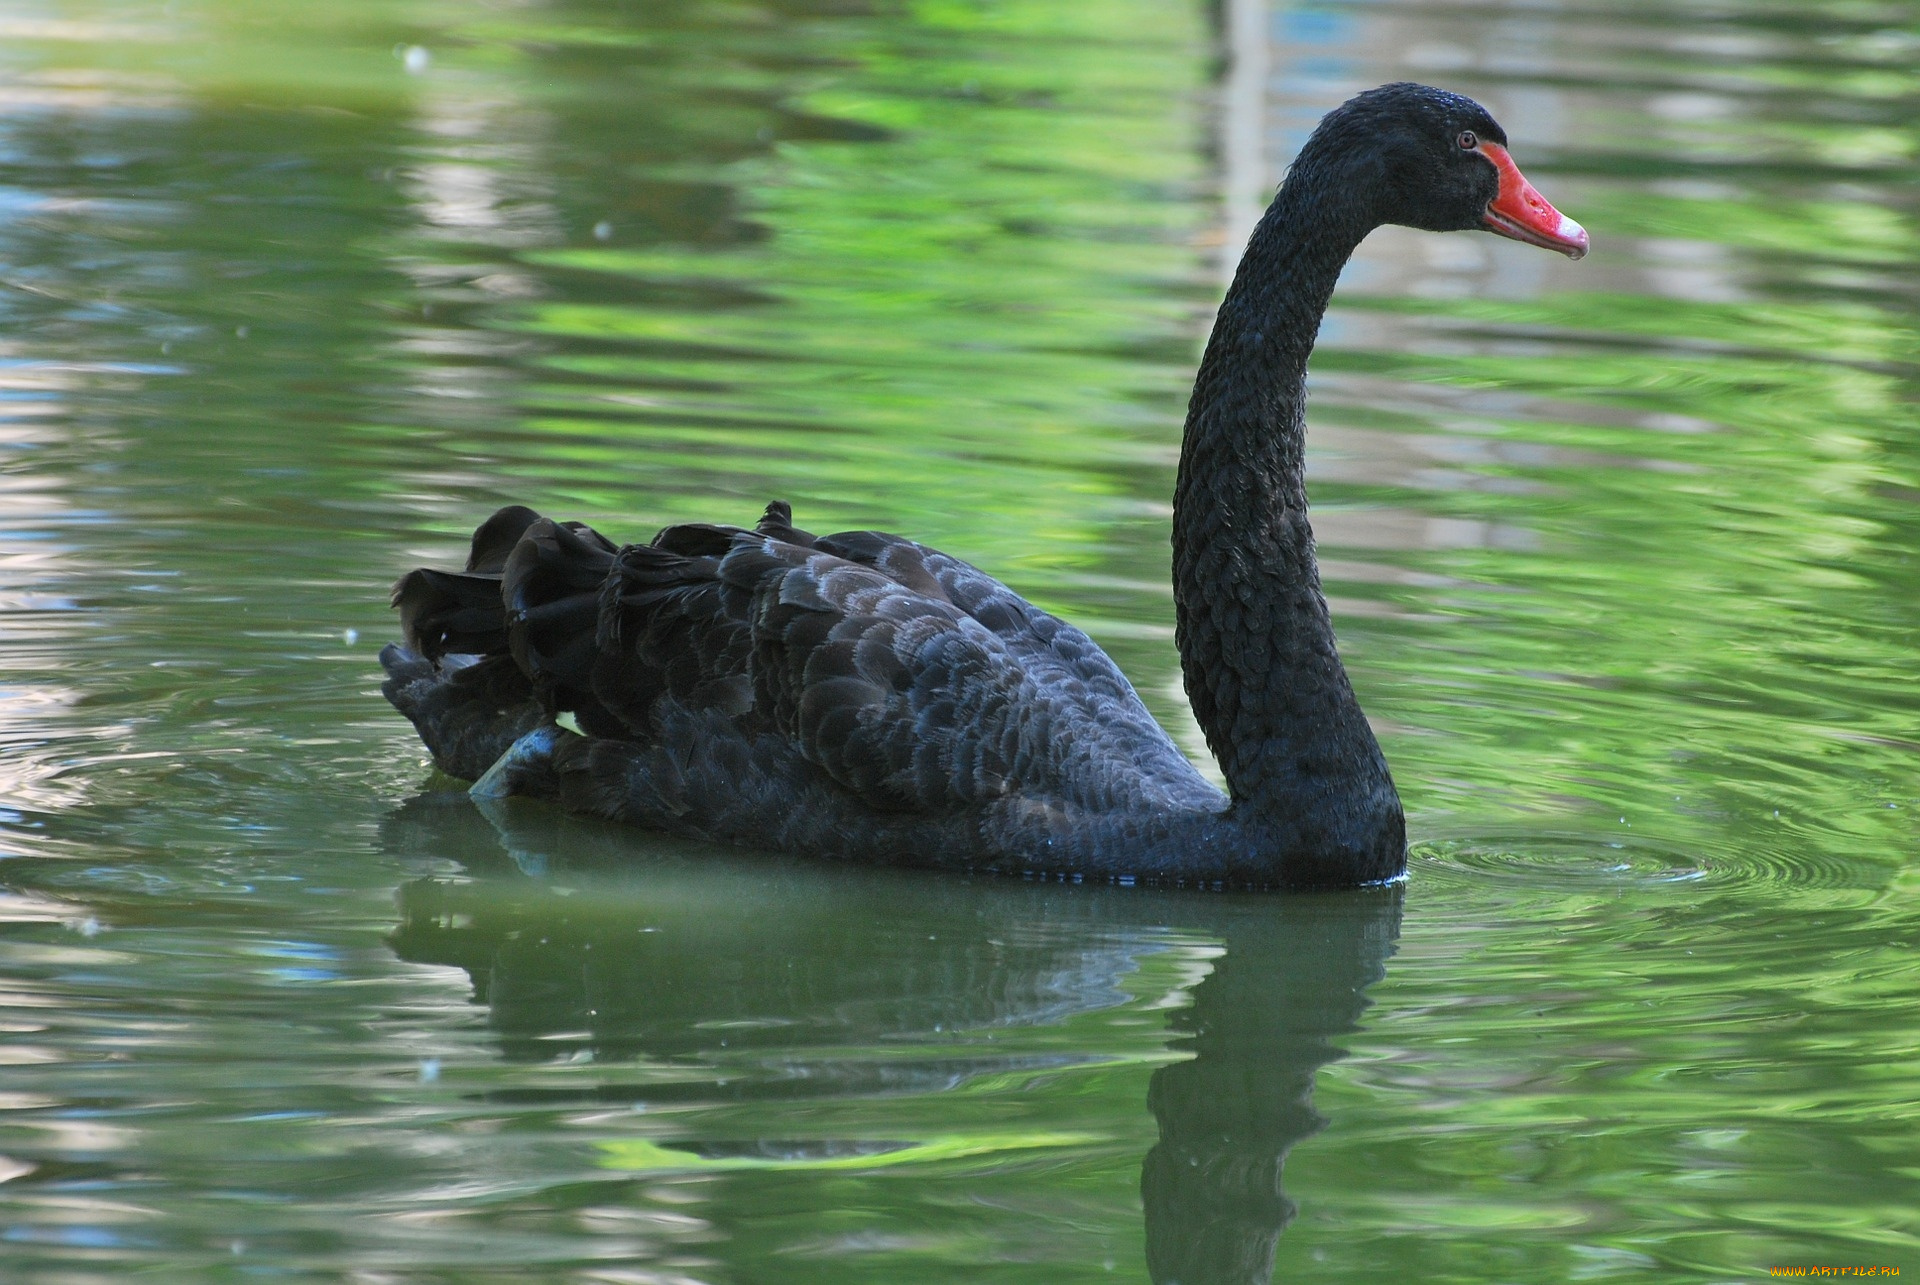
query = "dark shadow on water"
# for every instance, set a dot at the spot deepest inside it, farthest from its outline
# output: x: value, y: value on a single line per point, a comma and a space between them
x: 675, y: 954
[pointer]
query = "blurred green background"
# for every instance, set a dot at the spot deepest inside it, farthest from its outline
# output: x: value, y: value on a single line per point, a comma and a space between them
x: 1622, y: 556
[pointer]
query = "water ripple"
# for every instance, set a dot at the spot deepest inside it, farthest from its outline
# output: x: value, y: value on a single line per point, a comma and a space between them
x: 1575, y: 863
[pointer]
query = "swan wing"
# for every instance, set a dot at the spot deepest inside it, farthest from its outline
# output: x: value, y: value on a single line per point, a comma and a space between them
x: 901, y: 698
x: 1057, y: 654
x: 907, y: 676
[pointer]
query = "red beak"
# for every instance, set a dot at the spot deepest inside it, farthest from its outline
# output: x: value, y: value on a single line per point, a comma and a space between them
x: 1523, y: 214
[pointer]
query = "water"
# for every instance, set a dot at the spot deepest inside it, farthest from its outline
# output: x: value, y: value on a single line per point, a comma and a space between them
x: 1622, y: 554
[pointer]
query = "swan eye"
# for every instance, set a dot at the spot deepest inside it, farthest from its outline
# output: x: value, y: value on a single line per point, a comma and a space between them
x: 1467, y: 140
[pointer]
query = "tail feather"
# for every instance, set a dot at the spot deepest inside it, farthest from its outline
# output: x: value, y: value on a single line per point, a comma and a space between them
x: 527, y: 607
x: 468, y: 715
x: 566, y: 622
x: 777, y: 522
x: 694, y: 540
x: 551, y: 592
x: 494, y: 542
x: 450, y: 613
x: 444, y: 613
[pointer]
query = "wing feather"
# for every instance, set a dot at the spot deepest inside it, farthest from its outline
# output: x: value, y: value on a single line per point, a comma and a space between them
x: 907, y: 676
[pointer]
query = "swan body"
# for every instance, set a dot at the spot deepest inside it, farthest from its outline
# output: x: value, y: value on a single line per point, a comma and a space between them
x: 862, y: 697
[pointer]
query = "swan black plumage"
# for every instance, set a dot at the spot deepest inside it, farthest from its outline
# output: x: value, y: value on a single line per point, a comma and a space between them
x: 862, y: 697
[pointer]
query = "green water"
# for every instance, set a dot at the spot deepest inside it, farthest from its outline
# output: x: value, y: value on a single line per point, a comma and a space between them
x: 1623, y: 554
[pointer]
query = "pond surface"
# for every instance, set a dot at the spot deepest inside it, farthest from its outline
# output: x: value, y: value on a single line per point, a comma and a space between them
x: 1624, y: 555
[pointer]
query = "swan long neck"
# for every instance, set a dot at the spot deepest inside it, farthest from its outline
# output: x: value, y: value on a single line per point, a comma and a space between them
x: 1256, y: 642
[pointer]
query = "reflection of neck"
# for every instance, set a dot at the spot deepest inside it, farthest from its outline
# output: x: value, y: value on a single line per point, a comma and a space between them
x: 1260, y: 1026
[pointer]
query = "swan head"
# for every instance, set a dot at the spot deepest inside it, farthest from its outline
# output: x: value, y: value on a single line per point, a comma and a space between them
x: 1426, y: 158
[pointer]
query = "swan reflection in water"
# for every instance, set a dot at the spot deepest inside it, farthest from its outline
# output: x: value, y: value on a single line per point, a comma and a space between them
x: 752, y: 957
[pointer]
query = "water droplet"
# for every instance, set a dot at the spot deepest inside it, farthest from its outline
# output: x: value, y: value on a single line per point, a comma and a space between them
x: 602, y: 230
x: 416, y: 59
x: 429, y: 1069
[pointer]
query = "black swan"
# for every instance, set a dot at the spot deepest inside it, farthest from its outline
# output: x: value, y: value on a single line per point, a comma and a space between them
x: 862, y: 697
